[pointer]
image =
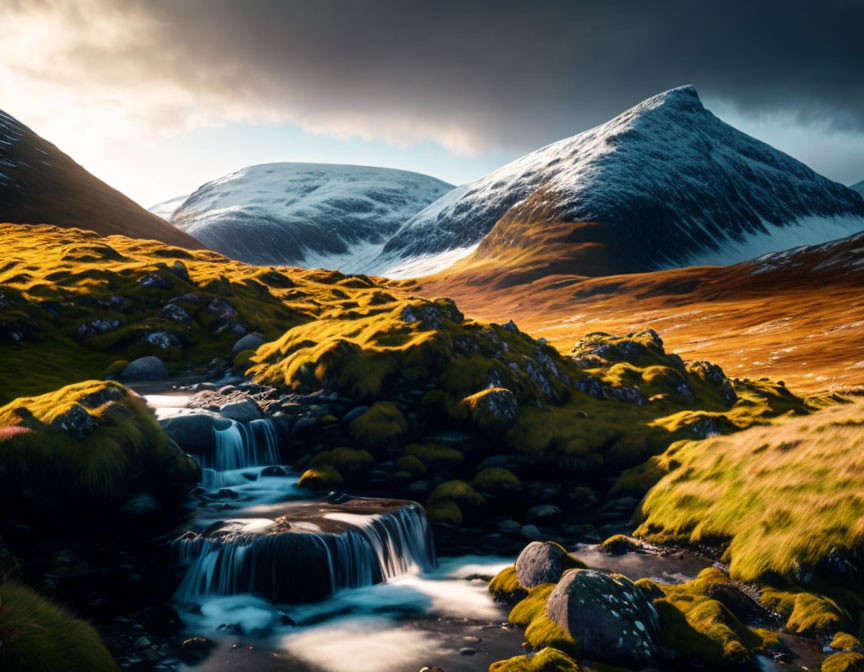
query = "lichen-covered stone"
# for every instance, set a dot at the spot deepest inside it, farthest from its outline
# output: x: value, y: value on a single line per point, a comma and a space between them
x: 543, y: 562
x: 607, y: 614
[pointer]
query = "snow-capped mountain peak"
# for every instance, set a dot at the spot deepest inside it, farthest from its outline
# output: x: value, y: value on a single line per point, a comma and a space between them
x: 305, y: 214
x: 665, y: 183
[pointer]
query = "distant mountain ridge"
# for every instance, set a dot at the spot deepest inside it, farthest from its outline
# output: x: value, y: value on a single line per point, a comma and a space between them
x: 859, y: 187
x: 664, y: 184
x: 304, y: 214
x: 39, y: 184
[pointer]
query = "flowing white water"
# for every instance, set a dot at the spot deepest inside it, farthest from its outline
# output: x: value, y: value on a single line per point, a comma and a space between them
x: 237, y: 447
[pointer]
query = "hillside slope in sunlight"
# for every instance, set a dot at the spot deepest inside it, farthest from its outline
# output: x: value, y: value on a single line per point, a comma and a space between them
x: 796, y: 315
x: 39, y: 184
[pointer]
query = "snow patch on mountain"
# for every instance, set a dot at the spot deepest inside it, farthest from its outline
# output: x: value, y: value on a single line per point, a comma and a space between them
x: 306, y: 214
x: 167, y: 208
x: 803, y: 232
x: 667, y: 181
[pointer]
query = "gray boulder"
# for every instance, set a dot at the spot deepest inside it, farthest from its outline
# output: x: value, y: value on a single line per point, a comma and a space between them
x: 241, y: 411
x: 248, y: 342
x: 144, y: 368
x: 193, y: 433
x: 607, y: 614
x: 542, y: 562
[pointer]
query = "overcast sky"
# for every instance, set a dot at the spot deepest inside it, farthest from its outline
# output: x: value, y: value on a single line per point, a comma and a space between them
x: 158, y: 96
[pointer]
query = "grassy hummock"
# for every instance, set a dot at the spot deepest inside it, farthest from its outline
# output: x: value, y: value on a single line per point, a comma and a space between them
x: 89, y: 444
x: 38, y: 636
x: 784, y: 499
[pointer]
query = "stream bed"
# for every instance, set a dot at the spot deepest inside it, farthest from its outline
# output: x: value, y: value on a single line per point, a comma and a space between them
x: 279, y: 578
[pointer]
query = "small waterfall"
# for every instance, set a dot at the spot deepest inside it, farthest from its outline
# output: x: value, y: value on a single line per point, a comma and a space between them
x: 237, y: 446
x: 306, y: 566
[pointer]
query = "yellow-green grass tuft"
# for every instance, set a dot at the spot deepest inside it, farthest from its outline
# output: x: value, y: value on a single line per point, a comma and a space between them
x: 320, y: 477
x: 38, y: 636
x: 697, y: 620
x: 547, y: 660
x: 844, y: 662
x: 505, y: 586
x: 540, y: 630
x: 806, y: 613
x: 124, y: 450
x: 781, y: 497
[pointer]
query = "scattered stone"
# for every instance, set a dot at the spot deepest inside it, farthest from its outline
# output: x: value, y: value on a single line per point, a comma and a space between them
x: 194, y: 432
x: 175, y: 313
x: 607, y: 614
x: 164, y: 340
x: 248, y: 342
x: 155, y: 281
x: 510, y: 527
x: 241, y: 411
x: 273, y: 471
x: 77, y: 422
x: 145, y: 368
x: 544, y: 512
x: 355, y: 412
x: 531, y: 532
x: 543, y: 562
x: 178, y: 269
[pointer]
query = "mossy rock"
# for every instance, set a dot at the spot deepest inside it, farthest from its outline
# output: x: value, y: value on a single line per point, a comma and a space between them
x: 446, y: 503
x: 843, y: 641
x: 116, y: 368
x: 505, y: 586
x: 411, y: 464
x: 697, y: 622
x: 540, y: 630
x: 546, y: 660
x: 345, y: 460
x: 492, y: 410
x: 444, y: 513
x: 382, y: 425
x: 843, y: 662
x: 806, y: 613
x: 38, y: 636
x: 92, y: 445
x: 619, y: 544
x: 321, y: 477
x: 496, y: 481
x: 436, y: 457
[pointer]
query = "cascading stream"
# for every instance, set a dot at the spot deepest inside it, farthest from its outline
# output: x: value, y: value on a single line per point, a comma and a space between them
x: 238, y: 446
x: 302, y: 566
x: 305, y: 560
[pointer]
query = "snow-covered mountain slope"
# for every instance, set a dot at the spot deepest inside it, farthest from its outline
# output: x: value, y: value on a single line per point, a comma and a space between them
x: 664, y: 184
x: 39, y: 184
x: 306, y: 214
x: 166, y: 208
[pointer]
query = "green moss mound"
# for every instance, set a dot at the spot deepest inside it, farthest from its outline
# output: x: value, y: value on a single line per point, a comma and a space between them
x: 540, y: 630
x: 38, y: 636
x: 697, y: 620
x: 382, y: 425
x: 505, y: 586
x: 547, y: 660
x: 320, y: 478
x: 89, y: 444
x: 446, y: 502
x: 496, y: 480
x: 844, y: 662
x: 434, y: 456
x: 806, y: 613
x: 345, y: 460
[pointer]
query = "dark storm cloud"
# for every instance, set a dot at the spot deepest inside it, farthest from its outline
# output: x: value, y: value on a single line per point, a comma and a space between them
x: 513, y: 74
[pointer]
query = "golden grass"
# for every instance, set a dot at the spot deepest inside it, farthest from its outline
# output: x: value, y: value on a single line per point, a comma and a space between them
x: 782, y: 497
